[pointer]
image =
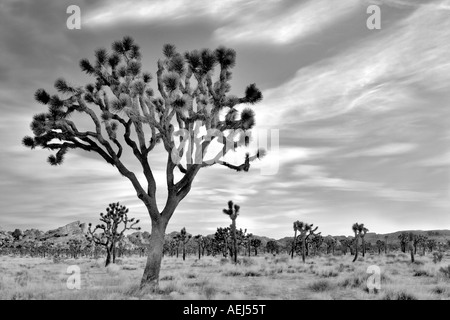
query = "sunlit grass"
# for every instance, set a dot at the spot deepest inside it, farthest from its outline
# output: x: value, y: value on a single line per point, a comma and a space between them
x: 262, y: 277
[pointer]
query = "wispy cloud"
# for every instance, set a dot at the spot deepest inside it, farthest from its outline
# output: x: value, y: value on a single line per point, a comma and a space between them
x: 391, y: 149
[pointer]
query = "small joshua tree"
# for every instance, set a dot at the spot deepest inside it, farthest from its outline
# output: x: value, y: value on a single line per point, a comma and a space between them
x: 273, y: 247
x: 116, y: 215
x: 331, y: 244
x: 233, y: 212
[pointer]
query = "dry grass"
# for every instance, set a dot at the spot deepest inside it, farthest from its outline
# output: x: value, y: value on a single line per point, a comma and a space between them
x: 264, y: 277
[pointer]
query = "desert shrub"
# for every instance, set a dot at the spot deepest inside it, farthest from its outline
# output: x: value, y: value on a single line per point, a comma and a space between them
x: 282, y: 259
x: 445, y: 271
x: 167, y: 289
x: 167, y: 278
x: 22, y: 278
x: 438, y: 290
x: 129, y: 267
x: 399, y: 295
x: 191, y: 276
x: 209, y: 292
x: 390, y: 255
x: 224, y: 261
x: 290, y: 271
x: 421, y: 273
x: 320, y: 286
x: 233, y: 273
x: 246, y: 261
x: 437, y: 257
x: 252, y: 274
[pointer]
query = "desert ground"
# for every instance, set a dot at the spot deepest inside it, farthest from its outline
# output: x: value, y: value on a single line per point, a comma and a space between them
x: 214, y: 278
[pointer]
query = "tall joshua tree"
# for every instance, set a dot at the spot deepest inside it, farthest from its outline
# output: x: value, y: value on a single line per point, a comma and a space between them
x: 233, y: 212
x: 129, y: 117
x: 116, y: 217
x: 304, y: 229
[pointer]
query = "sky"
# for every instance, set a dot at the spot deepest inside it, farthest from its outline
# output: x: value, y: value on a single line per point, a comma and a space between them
x: 362, y: 116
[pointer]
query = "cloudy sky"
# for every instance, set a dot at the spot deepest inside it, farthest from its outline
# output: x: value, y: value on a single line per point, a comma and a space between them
x: 362, y: 115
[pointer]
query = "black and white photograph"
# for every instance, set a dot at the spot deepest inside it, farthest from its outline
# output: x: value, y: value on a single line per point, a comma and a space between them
x: 227, y: 150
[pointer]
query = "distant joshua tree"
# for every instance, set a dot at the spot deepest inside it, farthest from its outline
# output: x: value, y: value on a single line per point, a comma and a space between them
x: 255, y: 243
x: 304, y: 229
x: 385, y: 244
x: 199, y: 239
x: 331, y: 244
x: 116, y: 216
x: 380, y: 244
x: 404, y: 238
x: 183, y: 237
x: 360, y: 231
x: 411, y: 237
x: 233, y: 212
x: 273, y: 247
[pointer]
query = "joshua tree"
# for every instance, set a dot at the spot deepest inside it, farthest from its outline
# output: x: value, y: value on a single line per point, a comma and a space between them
x: 200, y: 240
x: 380, y: 244
x: 17, y: 234
x: 385, y: 244
x: 294, y: 240
x: 418, y: 240
x: 316, y: 241
x: 127, y: 106
x: 255, y: 243
x: 272, y: 246
x: 431, y: 244
x: 411, y: 237
x: 305, y: 229
x: 248, y: 242
x: 221, y: 239
x: 183, y: 237
x: 75, y: 247
x: 404, y: 238
x: 360, y: 231
x: 116, y: 217
x: 233, y: 212
x: 331, y: 244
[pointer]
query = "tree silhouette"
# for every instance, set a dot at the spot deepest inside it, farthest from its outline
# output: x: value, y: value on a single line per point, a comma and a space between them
x: 233, y: 212
x: 132, y: 118
x: 116, y: 217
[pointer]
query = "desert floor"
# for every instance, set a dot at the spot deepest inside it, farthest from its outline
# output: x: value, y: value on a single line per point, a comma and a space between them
x: 263, y: 277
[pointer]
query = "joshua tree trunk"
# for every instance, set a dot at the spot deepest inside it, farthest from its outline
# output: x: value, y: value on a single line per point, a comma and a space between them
x: 234, y: 240
x: 303, y: 249
x: 108, y: 257
x: 256, y: 252
x: 411, y: 248
x: 363, y: 247
x: 294, y: 242
x: 356, y: 248
x: 199, y: 252
x: 184, y: 251
x: 155, y: 249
